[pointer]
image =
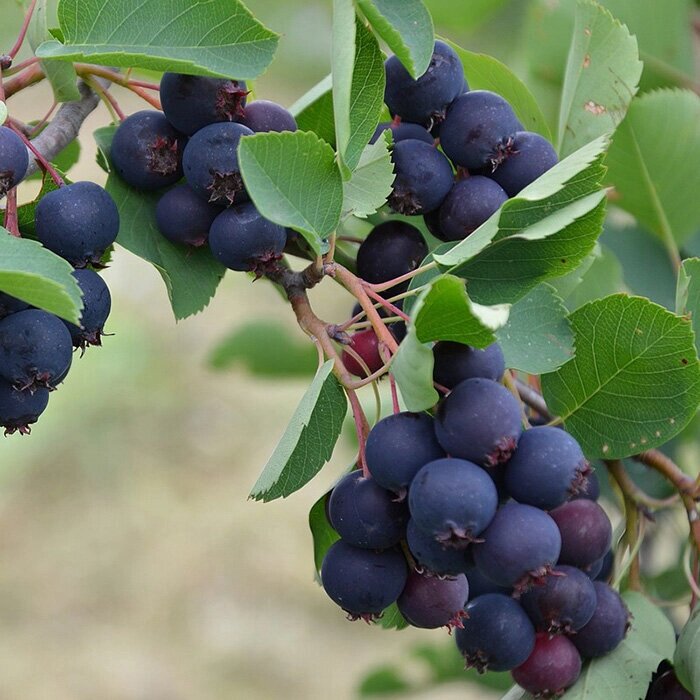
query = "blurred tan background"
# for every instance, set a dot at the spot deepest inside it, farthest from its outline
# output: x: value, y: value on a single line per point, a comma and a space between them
x: 132, y: 567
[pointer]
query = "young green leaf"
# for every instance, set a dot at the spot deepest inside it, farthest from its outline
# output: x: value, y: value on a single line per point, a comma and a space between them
x: 634, y: 382
x: 484, y: 72
x: 34, y: 274
x: 313, y: 111
x: 651, y: 163
x: 370, y: 185
x: 294, y: 181
x: 191, y: 276
x: 688, y: 294
x: 537, y: 337
x: 687, y: 656
x: 308, y: 441
x: 407, y: 28
x: 201, y: 38
x: 602, y: 76
x: 392, y: 619
x: 322, y: 532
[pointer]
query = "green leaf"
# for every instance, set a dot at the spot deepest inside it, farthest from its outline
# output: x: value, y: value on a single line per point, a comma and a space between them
x: 634, y: 382
x: 314, y: 111
x: 447, y: 313
x: 26, y: 212
x: 191, y: 276
x: 602, y: 77
x: 308, y: 441
x: 688, y: 295
x: 651, y: 163
x: 484, y: 72
x: 687, y: 656
x: 201, y: 38
x: 62, y: 76
x: 34, y: 274
x: 294, y: 181
x: 407, y: 28
x: 392, y: 619
x: 265, y: 349
x: 322, y: 532
x: 602, y: 278
x: 371, y: 182
x: 384, y: 680
x: 537, y: 337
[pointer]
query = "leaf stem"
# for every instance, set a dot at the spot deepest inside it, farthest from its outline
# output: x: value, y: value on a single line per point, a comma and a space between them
x: 109, y: 100
x: 10, y: 222
x: 647, y: 503
x: 386, y: 304
x: 32, y: 75
x: 23, y: 31
x: 361, y: 428
x: 138, y: 88
x: 403, y: 278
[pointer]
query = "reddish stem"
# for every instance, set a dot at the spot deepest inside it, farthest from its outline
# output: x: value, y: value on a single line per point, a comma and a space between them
x: 2, y: 88
x: 361, y: 428
x: 11, y: 223
x: 36, y: 128
x: 85, y: 70
x: 394, y: 394
x: 23, y: 31
x: 43, y: 163
x: 386, y: 304
x: 19, y: 67
x: 27, y: 77
x: 442, y: 389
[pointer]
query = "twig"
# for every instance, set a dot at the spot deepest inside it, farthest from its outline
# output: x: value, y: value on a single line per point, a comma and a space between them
x: 23, y: 31
x: 403, y: 278
x: 637, y: 495
x: 10, y: 222
x: 138, y: 88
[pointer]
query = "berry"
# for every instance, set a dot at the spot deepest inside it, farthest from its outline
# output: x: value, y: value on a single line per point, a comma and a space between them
x: 563, y: 603
x: 191, y: 102
x: 366, y: 345
x: 184, y: 217
x: 424, y: 100
x: 97, y: 303
x: 243, y: 239
x: 365, y: 515
x: 210, y: 162
x: 432, y: 223
x: 478, y: 130
x: 401, y: 131
x: 479, y: 421
x: 430, y: 602
x: 608, y: 625
x: 19, y: 409
x: 35, y: 349
x: 586, y: 532
x: 363, y: 582
x: 398, y: 446
x: 478, y: 583
x: 469, y: 204
x: 423, y: 178
x: 147, y: 151
x: 553, y: 666
x: 496, y: 634
x: 529, y: 156
x: 607, y: 564
x: 547, y: 468
x: 391, y: 250
x: 520, y: 547
x: 263, y: 115
x: 10, y: 305
x: 78, y: 222
x: 591, y: 491
x: 453, y: 500
x: 14, y: 160
x: 433, y: 556
x: 666, y: 686
x: 455, y: 362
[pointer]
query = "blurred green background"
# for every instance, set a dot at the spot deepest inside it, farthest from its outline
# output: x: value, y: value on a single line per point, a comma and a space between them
x: 132, y: 565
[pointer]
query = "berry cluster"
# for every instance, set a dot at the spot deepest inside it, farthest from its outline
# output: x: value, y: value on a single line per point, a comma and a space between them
x: 469, y: 521
x: 197, y: 137
x: 78, y: 222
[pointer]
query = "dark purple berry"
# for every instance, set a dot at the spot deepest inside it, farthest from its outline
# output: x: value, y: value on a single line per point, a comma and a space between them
x: 478, y: 130
x: 191, y: 102
x: 496, y: 635
x: 398, y: 446
x: 607, y: 564
x: 563, y: 603
x: 365, y: 515
x: 432, y: 556
x: 455, y: 362
x: 547, y: 468
x: 468, y: 205
x: 586, y: 532
x: 78, y: 222
x: 391, y: 249
x: 432, y: 223
x: 366, y: 345
x: 478, y: 583
x: 14, y: 160
x: 19, y: 409
x: 423, y: 178
x: 529, y: 156
x: 97, y: 303
x: 363, y: 582
x: 401, y: 131
x: 185, y: 218
x: 243, y: 239
x: 608, y: 625
x: 479, y: 420
x: 11, y: 305
x: 265, y: 116
x: 147, y: 151
x: 424, y: 100
x: 35, y: 349
x: 553, y: 666
x: 431, y: 602
x: 520, y: 547
x: 591, y: 491
x: 666, y: 686
x: 453, y: 500
x: 210, y: 162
